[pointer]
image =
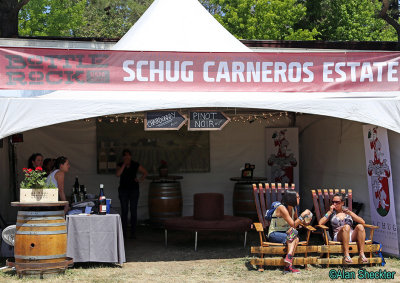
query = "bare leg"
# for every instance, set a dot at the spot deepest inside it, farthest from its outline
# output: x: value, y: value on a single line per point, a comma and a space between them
x: 359, y: 237
x: 292, y: 246
x: 344, y: 237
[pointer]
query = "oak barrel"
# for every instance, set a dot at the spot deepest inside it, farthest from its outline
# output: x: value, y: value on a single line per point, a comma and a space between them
x: 243, y: 200
x: 165, y: 201
x: 41, y: 237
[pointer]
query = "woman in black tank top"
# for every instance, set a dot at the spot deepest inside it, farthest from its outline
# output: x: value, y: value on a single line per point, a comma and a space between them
x: 128, y: 189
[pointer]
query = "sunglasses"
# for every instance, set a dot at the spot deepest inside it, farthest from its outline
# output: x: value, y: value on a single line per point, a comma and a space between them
x: 336, y: 201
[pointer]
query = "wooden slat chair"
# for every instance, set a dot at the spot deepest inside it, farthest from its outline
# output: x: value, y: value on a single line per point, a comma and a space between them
x: 322, y: 200
x: 264, y: 196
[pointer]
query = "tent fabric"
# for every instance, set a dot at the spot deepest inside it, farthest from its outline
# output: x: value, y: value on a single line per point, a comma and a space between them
x: 179, y: 25
x: 21, y: 114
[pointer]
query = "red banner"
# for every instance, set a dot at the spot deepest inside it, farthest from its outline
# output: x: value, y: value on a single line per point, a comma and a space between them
x: 59, y: 69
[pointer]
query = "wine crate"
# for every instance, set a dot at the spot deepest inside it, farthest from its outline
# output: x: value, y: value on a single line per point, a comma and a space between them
x: 38, y: 195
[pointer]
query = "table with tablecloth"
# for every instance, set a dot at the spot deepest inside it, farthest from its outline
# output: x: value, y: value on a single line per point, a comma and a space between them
x: 95, y: 238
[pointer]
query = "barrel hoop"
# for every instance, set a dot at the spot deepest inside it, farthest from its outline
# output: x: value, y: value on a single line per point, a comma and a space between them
x: 165, y: 193
x: 41, y: 224
x: 177, y: 197
x: 41, y: 218
x: 36, y: 257
x: 41, y: 213
x: 41, y: 232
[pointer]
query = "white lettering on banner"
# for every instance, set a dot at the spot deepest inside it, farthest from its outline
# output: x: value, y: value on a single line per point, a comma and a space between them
x: 206, y: 78
x: 187, y: 76
x: 391, y: 71
x: 157, y: 73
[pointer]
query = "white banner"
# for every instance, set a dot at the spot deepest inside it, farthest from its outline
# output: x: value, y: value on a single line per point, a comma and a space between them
x: 383, y: 213
x: 282, y: 155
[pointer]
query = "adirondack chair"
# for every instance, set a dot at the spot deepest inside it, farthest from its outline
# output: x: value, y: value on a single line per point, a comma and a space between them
x: 264, y: 196
x: 322, y: 200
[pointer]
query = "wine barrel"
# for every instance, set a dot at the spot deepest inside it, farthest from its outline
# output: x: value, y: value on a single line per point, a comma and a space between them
x: 41, y: 237
x: 165, y: 201
x: 243, y: 200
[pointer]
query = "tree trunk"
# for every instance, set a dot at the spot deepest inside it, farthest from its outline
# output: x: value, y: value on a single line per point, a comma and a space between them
x: 383, y: 14
x: 9, y: 17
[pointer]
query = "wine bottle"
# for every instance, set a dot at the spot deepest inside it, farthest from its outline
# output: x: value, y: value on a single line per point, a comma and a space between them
x: 76, y: 185
x: 102, y: 201
x: 101, y: 194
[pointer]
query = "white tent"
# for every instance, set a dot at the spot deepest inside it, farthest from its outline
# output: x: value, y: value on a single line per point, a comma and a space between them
x: 176, y: 25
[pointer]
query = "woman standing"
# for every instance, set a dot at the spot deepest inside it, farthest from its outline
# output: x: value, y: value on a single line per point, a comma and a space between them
x: 57, y: 177
x: 284, y: 220
x: 128, y: 189
x: 342, y: 221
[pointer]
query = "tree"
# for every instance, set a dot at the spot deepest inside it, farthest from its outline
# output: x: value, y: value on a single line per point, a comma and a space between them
x: 111, y: 19
x: 261, y: 19
x: 9, y: 17
x: 51, y: 18
x: 342, y: 20
x: 390, y: 13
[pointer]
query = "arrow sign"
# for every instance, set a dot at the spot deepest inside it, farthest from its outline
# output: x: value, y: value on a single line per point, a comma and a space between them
x: 164, y: 120
x: 207, y: 120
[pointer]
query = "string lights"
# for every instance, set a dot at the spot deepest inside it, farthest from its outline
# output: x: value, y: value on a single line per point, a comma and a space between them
x: 245, y: 117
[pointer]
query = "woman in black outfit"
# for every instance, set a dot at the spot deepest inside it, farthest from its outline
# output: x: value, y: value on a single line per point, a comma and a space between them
x: 128, y: 189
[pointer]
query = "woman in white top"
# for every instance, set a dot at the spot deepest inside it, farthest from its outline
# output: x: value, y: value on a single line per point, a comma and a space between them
x: 57, y: 177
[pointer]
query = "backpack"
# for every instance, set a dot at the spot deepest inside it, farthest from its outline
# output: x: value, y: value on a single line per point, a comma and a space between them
x: 268, y: 214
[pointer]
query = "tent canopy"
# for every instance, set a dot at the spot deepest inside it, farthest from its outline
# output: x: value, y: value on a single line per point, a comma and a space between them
x: 184, y: 25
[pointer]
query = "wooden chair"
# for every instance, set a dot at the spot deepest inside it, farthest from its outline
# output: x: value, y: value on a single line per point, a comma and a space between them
x: 322, y: 200
x: 264, y: 196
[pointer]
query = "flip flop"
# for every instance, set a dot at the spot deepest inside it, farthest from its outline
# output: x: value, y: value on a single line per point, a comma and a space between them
x: 347, y: 259
x: 364, y: 259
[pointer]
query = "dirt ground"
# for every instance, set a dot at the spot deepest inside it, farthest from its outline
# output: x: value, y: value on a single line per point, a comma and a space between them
x: 221, y: 257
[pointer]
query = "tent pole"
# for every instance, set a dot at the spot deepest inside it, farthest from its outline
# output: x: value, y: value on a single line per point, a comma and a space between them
x: 13, y: 176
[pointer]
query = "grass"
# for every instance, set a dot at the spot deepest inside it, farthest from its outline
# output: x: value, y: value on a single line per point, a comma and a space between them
x: 220, y: 258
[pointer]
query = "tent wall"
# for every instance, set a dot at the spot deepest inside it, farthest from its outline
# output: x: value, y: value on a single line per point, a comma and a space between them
x: 331, y: 156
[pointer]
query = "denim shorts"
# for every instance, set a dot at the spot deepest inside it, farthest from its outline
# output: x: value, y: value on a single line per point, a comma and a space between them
x: 277, y: 237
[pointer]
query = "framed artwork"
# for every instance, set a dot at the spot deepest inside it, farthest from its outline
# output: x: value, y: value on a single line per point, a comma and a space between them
x: 184, y: 151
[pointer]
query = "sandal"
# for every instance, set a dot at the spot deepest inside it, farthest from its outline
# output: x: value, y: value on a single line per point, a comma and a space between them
x: 347, y: 259
x: 363, y: 258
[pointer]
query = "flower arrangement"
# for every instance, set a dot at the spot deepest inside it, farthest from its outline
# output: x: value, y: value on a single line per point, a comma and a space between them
x: 35, y: 179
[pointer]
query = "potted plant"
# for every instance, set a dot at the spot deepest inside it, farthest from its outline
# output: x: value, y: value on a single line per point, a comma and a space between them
x: 34, y: 187
x: 163, y: 169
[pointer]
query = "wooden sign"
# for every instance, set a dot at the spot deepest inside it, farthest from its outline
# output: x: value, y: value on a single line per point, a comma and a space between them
x: 164, y: 120
x: 207, y: 120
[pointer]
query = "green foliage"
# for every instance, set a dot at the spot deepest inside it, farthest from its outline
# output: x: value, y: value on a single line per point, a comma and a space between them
x: 111, y: 19
x: 80, y: 18
x: 35, y: 179
x: 51, y: 17
x: 262, y: 19
x: 354, y: 20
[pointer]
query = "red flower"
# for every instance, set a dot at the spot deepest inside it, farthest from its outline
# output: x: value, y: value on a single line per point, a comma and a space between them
x: 30, y: 170
x: 24, y: 169
x: 38, y: 168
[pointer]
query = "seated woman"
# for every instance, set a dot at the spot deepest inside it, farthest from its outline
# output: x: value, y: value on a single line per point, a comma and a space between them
x: 342, y: 221
x: 284, y: 219
x: 57, y: 178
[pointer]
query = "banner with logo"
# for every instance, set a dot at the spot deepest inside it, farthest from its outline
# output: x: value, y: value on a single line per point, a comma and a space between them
x: 282, y: 155
x: 73, y: 69
x: 379, y: 173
